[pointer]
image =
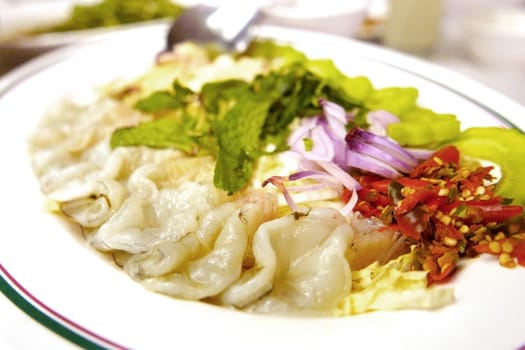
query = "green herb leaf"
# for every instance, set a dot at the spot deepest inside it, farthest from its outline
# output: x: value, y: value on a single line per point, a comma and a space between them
x: 182, y: 92
x: 294, y: 92
x: 165, y: 100
x: 308, y: 144
x: 239, y: 139
x: 394, y: 192
x: 159, y: 100
x: 160, y: 133
x: 218, y: 97
x: 236, y: 120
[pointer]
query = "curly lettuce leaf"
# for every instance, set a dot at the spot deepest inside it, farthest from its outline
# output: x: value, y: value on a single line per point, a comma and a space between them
x: 392, y: 286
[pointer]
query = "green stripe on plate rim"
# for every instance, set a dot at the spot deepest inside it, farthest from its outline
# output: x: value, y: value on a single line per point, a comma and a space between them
x: 21, y: 299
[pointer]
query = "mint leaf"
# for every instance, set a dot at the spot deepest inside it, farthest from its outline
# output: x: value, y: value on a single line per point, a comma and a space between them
x: 158, y: 101
x: 239, y: 141
x: 293, y: 91
x: 182, y: 92
x: 217, y: 97
x: 160, y: 133
x: 235, y: 120
x: 165, y: 100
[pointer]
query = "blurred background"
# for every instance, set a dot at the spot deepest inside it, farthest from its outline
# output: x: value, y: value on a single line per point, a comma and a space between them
x: 481, y: 39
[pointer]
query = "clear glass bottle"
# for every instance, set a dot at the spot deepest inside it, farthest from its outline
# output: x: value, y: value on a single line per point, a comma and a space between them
x: 413, y: 25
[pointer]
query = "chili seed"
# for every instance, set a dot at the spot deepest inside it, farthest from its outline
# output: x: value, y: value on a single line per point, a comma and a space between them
x: 481, y: 230
x: 499, y: 235
x: 492, y: 224
x: 480, y: 190
x: 520, y: 235
x: 478, y: 234
x: 443, y: 192
x: 495, y: 247
x: 507, y: 247
x: 407, y: 191
x: 445, y: 219
x: 465, y: 193
x: 445, y: 267
x: 438, y: 160
x: 449, y: 241
x: 464, y: 229
x: 506, y: 260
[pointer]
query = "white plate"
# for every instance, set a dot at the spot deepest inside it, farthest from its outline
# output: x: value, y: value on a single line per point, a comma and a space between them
x: 52, y: 275
x: 20, y: 50
x: 23, y: 17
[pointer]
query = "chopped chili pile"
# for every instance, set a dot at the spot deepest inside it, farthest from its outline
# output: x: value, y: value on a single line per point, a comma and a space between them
x: 447, y: 211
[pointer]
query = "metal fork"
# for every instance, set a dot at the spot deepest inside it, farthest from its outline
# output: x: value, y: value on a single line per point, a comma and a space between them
x: 228, y: 25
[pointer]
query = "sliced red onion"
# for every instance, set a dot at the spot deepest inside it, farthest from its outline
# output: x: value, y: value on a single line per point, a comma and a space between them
x: 308, y: 188
x: 333, y: 110
x: 379, y: 120
x: 303, y: 131
x: 384, y: 143
x: 335, y: 116
x: 344, y: 177
x: 312, y: 174
x: 331, y: 176
x: 338, y: 142
x: 420, y: 153
x: 358, y: 145
x: 332, y: 150
x: 307, y: 164
x: 322, y: 146
x: 324, y: 180
x: 349, y: 206
x: 373, y: 165
x: 278, y: 182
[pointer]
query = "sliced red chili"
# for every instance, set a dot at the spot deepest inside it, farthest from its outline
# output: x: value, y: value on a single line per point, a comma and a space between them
x: 382, y: 185
x: 413, y: 223
x: 448, y: 211
x: 445, y: 156
x: 492, y: 211
x: 418, y: 197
